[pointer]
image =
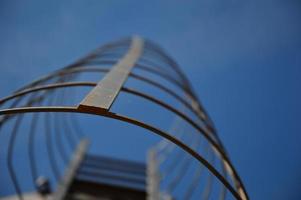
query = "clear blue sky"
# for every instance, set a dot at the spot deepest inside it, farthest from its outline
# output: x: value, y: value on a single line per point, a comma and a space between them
x: 243, y: 59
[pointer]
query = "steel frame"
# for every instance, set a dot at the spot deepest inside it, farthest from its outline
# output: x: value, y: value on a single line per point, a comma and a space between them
x: 62, y: 79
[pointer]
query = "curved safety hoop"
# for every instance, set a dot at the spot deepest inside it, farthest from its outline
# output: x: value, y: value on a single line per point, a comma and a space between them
x: 49, y: 98
x: 134, y: 122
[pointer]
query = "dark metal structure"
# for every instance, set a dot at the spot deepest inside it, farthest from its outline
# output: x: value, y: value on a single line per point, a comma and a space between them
x: 189, y: 163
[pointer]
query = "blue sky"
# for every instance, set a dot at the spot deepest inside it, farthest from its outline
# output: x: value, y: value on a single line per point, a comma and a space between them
x: 242, y: 57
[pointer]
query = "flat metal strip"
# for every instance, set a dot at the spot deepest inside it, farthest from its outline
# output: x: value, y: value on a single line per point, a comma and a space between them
x: 102, y: 96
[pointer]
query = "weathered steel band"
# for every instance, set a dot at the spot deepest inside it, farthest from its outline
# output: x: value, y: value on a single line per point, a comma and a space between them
x: 103, y: 95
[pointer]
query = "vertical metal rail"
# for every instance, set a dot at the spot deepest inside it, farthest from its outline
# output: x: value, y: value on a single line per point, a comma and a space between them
x: 153, y: 177
x: 65, y: 183
x: 103, y: 95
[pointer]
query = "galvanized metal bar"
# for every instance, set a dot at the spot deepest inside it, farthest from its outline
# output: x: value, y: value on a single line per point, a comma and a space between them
x: 153, y: 176
x: 78, y: 156
x: 103, y: 95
